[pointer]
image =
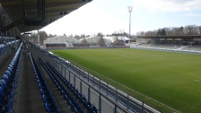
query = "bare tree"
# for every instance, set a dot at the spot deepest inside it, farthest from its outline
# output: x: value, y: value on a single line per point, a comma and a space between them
x: 50, y: 35
x: 142, y: 33
x: 100, y: 34
x: 82, y: 36
x: 84, y: 41
x: 101, y: 41
x: 191, y: 30
x: 161, y: 32
x: 181, y: 30
x: 175, y: 31
x: 199, y: 28
x: 77, y: 37
x: 43, y: 36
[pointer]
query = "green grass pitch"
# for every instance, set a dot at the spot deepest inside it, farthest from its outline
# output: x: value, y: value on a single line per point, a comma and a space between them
x: 167, y: 81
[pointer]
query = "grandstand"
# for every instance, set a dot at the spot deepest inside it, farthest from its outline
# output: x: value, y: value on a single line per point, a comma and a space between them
x: 173, y: 43
x: 59, y: 42
x: 63, y: 42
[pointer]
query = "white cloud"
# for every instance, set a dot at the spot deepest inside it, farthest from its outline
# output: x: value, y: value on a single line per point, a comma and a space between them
x: 193, y: 15
x: 169, y: 5
x: 88, y: 19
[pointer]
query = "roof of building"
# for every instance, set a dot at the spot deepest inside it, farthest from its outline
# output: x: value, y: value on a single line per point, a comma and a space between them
x: 61, y: 39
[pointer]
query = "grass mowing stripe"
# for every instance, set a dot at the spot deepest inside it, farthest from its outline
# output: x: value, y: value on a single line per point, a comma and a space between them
x: 170, y: 78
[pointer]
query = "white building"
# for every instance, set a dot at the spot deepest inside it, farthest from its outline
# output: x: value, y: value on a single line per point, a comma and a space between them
x: 60, y: 41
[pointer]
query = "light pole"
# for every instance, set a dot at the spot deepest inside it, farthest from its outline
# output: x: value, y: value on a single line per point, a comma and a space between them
x: 130, y: 8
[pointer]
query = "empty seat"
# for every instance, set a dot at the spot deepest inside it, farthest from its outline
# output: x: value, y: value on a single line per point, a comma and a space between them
x: 2, y: 92
x: 44, y: 99
x: 7, y: 72
x: 3, y: 84
x: 5, y: 77
x: 47, y: 108
x: 94, y: 109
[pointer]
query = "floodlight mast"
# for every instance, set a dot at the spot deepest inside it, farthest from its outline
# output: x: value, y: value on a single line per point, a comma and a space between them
x: 130, y: 8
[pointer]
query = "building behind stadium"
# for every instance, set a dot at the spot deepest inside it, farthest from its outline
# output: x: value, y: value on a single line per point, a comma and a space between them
x: 63, y: 42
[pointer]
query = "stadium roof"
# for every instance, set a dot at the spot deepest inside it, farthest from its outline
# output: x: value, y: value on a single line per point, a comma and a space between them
x: 29, y: 15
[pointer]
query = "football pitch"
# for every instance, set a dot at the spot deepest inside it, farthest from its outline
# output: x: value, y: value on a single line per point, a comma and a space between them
x: 168, y: 81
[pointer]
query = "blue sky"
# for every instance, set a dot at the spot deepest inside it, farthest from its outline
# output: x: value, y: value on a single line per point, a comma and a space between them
x: 109, y: 16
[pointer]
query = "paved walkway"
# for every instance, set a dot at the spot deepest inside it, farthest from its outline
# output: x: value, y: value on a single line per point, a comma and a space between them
x: 28, y: 97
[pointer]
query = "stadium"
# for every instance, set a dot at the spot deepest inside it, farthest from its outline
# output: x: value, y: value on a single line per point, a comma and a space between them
x: 95, y: 74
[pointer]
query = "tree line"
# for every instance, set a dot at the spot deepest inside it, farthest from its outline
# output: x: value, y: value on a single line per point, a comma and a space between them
x: 174, y: 31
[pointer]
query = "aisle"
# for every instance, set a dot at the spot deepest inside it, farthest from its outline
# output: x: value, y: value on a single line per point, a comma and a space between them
x: 28, y: 97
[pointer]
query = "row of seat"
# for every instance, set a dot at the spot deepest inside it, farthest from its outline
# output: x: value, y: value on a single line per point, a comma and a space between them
x: 46, y: 94
x: 70, y: 101
x: 5, y: 47
x: 12, y: 97
x: 8, y: 83
x: 90, y: 107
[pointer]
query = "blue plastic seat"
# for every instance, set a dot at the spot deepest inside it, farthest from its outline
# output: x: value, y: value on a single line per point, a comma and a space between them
x: 44, y: 99
x: 76, y: 110
x: 9, y: 68
x: 66, y: 98
x: 94, y: 109
x: 1, y: 92
x: 9, y: 107
x: 47, y: 108
x: 5, y: 77
x: 52, y: 101
x: 72, y: 106
x: 8, y: 73
x: 84, y: 99
x: 89, y: 106
x: 3, y: 84
x: 13, y: 63
x: 42, y: 92
x: 76, y: 92
x: 70, y: 103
